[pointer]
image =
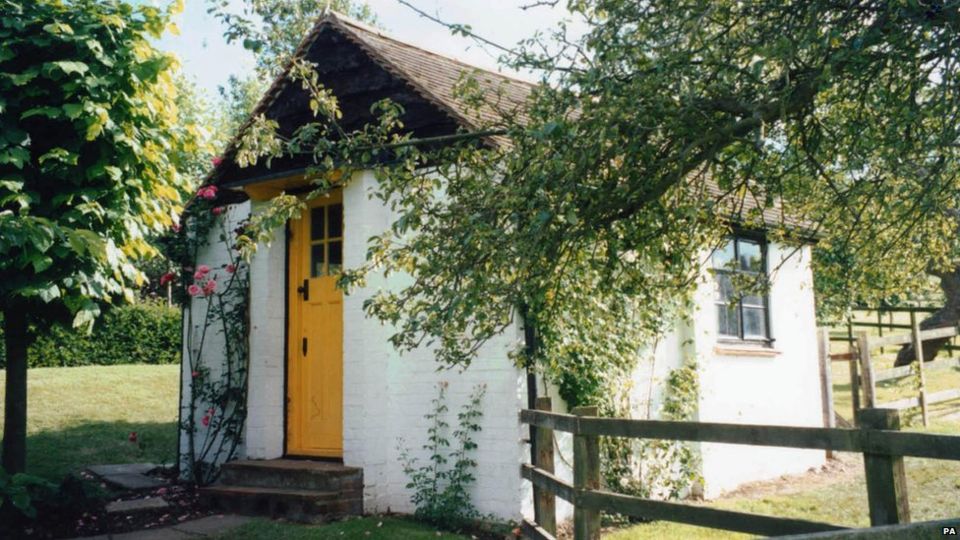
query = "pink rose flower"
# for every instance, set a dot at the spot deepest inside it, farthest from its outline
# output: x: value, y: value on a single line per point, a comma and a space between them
x: 207, y: 192
x: 175, y: 227
x: 194, y: 290
x: 132, y: 437
x: 216, y: 160
x: 195, y: 374
x: 231, y: 268
x: 205, y: 421
x: 217, y: 211
x: 166, y: 278
x: 209, y: 287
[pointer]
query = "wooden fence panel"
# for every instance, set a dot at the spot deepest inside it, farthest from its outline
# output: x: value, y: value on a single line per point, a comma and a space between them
x: 878, y: 438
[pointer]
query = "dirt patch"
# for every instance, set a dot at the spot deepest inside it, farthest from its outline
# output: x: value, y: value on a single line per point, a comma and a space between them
x: 843, y: 467
x: 182, y: 504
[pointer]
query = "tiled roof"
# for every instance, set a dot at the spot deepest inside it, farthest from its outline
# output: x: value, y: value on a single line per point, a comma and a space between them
x: 436, y: 76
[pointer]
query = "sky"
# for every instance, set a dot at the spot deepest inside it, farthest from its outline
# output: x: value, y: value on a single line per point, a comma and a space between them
x: 208, y: 60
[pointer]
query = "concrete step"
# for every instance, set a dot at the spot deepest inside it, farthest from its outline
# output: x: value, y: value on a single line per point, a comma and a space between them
x: 293, y: 474
x: 304, y: 506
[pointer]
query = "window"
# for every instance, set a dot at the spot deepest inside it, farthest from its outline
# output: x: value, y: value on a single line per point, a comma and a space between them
x: 326, y: 240
x: 740, y: 267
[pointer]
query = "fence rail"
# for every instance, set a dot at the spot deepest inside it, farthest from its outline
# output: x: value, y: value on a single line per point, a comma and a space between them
x: 879, y: 313
x: 878, y: 439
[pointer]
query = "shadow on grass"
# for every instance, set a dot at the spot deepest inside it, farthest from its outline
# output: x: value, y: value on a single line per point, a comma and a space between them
x: 55, y: 453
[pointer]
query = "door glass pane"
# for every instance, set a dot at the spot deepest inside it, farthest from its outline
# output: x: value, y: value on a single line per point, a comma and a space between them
x: 754, y: 322
x: 336, y: 257
x: 750, y: 258
x: 728, y: 320
x: 723, y: 256
x: 335, y: 221
x: 316, y: 260
x: 316, y: 223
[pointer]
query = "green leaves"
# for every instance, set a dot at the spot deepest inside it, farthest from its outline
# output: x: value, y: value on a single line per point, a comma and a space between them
x: 49, y: 112
x: 68, y: 67
x: 90, y: 141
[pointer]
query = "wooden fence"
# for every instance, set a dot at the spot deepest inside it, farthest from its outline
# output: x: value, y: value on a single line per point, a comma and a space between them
x: 864, y: 376
x: 883, y: 320
x: 879, y: 440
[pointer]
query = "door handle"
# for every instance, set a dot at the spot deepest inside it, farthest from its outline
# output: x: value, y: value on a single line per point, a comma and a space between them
x: 303, y: 346
x: 305, y: 289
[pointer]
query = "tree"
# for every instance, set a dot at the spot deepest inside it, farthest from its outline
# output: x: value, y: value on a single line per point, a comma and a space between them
x: 89, y: 146
x: 272, y: 30
x: 655, y: 132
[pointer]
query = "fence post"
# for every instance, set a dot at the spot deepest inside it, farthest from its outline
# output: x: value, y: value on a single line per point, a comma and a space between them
x: 886, y: 478
x: 826, y: 380
x: 545, y: 501
x: 866, y: 365
x: 880, y: 326
x: 586, y: 475
x: 854, y: 374
x: 918, y: 352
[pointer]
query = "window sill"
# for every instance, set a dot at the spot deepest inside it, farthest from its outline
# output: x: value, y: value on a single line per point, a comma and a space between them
x: 745, y: 348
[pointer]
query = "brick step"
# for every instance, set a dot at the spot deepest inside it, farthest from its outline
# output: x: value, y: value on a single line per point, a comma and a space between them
x: 304, y: 506
x: 293, y: 474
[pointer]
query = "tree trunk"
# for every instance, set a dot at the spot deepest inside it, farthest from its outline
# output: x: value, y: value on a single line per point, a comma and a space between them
x: 948, y: 315
x: 15, y: 412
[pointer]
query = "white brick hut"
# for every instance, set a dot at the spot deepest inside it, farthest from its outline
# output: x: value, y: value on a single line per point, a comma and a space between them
x: 327, y: 388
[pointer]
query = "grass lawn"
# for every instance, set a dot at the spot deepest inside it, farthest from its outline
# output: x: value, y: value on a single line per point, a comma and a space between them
x: 367, y: 528
x: 80, y: 416
x: 933, y: 487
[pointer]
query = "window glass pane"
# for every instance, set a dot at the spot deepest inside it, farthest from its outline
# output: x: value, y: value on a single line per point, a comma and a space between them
x: 725, y: 291
x: 723, y: 256
x: 750, y: 257
x: 336, y: 257
x: 753, y: 300
x: 335, y: 221
x: 316, y: 224
x: 728, y: 320
x: 316, y: 260
x: 754, y: 322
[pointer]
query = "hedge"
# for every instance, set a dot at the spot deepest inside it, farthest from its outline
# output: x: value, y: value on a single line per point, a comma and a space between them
x: 144, y: 333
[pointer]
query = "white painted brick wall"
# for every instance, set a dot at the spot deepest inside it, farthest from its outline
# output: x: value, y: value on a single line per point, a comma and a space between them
x: 783, y: 389
x: 265, y: 415
x: 387, y: 394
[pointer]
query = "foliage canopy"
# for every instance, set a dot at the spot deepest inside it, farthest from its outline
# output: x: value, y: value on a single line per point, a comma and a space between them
x: 89, y: 146
x: 652, y: 135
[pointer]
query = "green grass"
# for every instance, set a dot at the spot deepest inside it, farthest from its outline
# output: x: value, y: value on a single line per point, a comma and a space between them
x: 80, y: 416
x: 933, y: 487
x: 367, y: 528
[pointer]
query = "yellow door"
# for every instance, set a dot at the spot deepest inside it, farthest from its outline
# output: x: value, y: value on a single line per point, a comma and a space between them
x: 315, y: 355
